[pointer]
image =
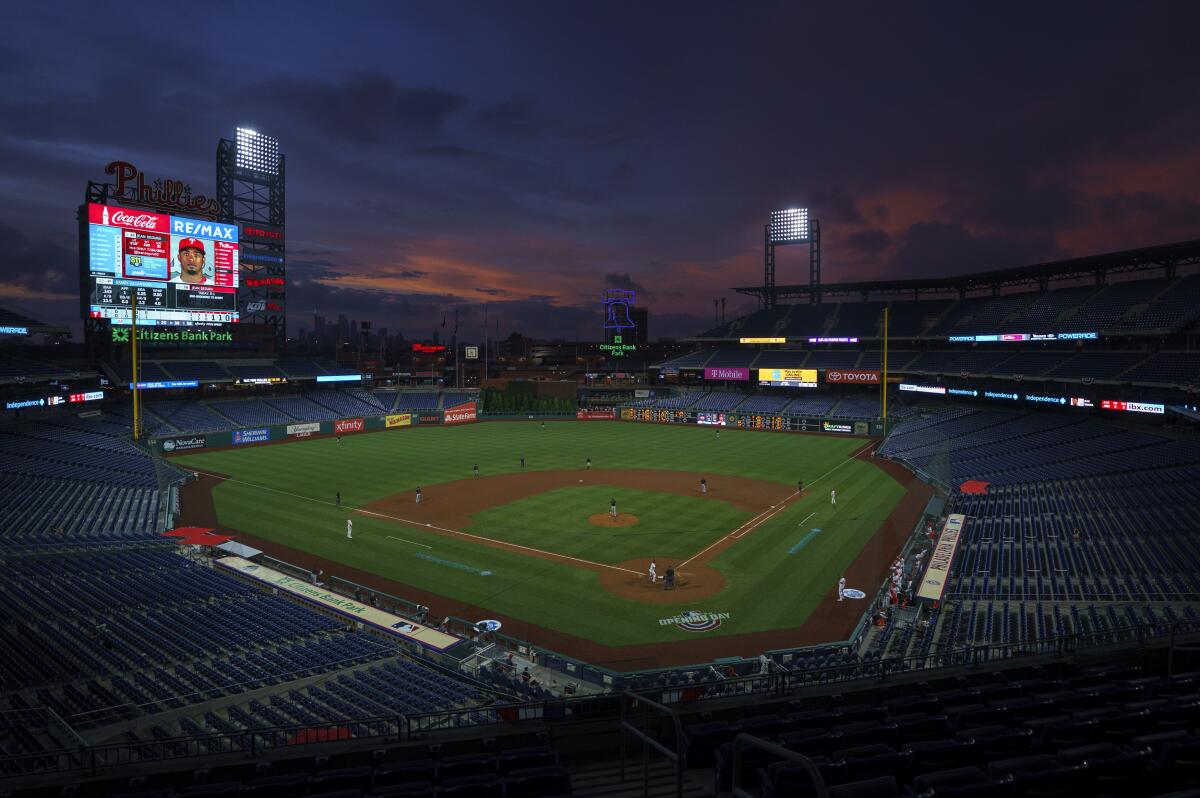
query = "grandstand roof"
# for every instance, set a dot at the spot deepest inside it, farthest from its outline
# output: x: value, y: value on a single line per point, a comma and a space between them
x: 1163, y: 256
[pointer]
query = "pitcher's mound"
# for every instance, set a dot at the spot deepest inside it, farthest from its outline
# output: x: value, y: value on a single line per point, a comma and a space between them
x: 604, y: 519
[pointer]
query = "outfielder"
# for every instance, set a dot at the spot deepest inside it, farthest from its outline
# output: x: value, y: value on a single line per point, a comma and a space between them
x: 475, y: 469
x: 833, y: 497
x: 653, y: 571
x: 842, y: 589
x: 349, y: 529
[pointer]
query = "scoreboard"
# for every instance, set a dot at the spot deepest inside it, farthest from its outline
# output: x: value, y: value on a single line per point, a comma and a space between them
x: 756, y: 421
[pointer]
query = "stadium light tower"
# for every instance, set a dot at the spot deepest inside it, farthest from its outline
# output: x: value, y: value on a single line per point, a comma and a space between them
x: 783, y: 228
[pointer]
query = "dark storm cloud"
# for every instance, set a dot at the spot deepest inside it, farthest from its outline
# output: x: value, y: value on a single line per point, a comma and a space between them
x: 37, y: 266
x: 870, y: 242
x: 935, y: 249
x: 1019, y: 206
x: 361, y: 108
x: 622, y: 280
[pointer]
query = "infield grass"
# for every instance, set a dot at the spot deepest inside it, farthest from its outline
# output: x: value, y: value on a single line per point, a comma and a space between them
x: 285, y: 493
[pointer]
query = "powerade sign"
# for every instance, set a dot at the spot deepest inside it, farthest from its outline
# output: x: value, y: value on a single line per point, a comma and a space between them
x: 183, y: 444
x: 260, y: 435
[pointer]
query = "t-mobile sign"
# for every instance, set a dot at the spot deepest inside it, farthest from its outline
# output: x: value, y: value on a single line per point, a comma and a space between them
x: 726, y: 374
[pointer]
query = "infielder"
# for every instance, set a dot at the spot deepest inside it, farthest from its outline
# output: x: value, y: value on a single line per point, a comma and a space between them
x: 833, y: 497
x: 653, y: 571
x: 589, y: 464
x: 703, y: 485
x: 418, y: 494
x: 475, y: 469
x: 842, y: 589
x: 349, y: 529
x: 522, y: 462
x: 612, y: 508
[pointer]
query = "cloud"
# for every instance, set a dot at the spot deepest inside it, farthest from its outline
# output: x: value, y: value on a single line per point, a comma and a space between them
x: 622, y: 280
x: 937, y: 249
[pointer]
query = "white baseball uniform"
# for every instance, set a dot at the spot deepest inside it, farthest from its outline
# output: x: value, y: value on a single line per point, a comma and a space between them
x: 842, y: 588
x: 653, y: 572
x: 833, y: 497
x: 349, y: 529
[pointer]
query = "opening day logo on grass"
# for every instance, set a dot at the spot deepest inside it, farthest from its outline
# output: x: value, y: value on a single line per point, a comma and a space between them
x: 695, y: 620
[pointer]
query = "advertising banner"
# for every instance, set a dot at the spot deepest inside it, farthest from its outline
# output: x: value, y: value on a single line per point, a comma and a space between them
x: 788, y: 378
x: 183, y: 444
x: 398, y: 420
x: 837, y: 426
x: 348, y: 425
x: 460, y: 414
x: 430, y: 418
x: 595, y: 415
x: 303, y: 430
x: 933, y: 584
x: 259, y: 435
x: 859, y: 377
x: 727, y: 374
x: 627, y: 414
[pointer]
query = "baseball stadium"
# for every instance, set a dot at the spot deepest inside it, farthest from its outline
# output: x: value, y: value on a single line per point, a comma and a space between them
x: 915, y: 536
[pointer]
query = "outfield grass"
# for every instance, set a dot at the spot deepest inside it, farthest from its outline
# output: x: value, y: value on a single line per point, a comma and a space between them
x: 557, y: 520
x: 285, y: 493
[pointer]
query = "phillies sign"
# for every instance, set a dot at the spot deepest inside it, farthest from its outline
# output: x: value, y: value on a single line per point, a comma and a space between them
x: 726, y: 374
x: 460, y: 414
x: 167, y: 194
x: 348, y: 425
x: 860, y: 377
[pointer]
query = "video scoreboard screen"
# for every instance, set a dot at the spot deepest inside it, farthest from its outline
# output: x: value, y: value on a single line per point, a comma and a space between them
x: 183, y: 272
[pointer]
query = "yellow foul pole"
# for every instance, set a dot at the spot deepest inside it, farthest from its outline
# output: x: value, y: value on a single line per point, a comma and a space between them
x: 133, y: 347
x: 883, y: 382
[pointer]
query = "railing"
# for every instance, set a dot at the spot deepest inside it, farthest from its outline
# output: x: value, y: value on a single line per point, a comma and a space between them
x: 677, y: 757
x: 744, y: 741
x: 608, y: 705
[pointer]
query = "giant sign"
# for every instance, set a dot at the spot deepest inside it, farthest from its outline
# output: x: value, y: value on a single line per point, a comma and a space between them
x: 867, y: 377
x: 181, y: 272
x: 460, y: 414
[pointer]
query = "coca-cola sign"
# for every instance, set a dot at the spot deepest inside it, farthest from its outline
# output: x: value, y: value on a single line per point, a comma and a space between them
x: 116, y: 216
x: 860, y: 377
x: 168, y: 194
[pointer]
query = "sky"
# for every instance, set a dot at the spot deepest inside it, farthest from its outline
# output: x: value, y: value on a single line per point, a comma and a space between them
x: 529, y: 155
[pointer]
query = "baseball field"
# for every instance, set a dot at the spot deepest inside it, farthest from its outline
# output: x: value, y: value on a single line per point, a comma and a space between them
x: 538, y: 547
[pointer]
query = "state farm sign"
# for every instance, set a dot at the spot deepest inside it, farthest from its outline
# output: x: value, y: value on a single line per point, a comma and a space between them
x: 348, y: 425
x: 860, y: 377
x: 460, y: 414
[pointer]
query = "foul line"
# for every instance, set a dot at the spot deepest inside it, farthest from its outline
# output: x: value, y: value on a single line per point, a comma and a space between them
x: 500, y: 544
x: 766, y: 515
x: 404, y: 540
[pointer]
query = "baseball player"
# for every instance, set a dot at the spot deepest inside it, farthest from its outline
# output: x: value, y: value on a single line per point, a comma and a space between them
x: 339, y: 440
x: 338, y: 497
x: 418, y: 494
x: 349, y: 529
x: 703, y: 485
x: 833, y: 497
x: 612, y: 508
x: 475, y: 469
x: 589, y: 464
x: 653, y: 571
x: 842, y: 589
x: 800, y: 486
x: 522, y: 461
x: 718, y: 434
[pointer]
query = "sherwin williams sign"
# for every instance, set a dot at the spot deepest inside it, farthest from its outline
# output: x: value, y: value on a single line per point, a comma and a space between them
x: 727, y: 374
x: 260, y: 435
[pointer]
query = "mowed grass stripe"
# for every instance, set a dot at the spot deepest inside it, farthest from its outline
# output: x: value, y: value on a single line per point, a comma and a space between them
x: 766, y: 589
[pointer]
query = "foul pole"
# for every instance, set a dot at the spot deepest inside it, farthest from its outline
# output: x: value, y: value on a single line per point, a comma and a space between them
x: 133, y: 337
x: 883, y: 382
